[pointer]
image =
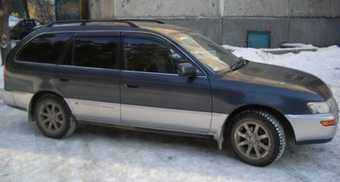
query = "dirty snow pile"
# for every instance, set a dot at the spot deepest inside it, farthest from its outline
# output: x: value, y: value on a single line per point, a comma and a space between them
x: 324, y: 62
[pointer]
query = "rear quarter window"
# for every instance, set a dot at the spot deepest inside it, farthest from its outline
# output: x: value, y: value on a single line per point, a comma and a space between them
x: 45, y: 48
x: 95, y: 52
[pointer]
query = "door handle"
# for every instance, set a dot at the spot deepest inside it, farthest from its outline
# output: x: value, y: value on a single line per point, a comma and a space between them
x: 130, y: 86
x: 64, y: 79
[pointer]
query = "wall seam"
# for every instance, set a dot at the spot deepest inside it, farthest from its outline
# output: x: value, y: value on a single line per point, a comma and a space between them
x: 221, y: 19
x: 288, y: 19
x: 221, y: 8
x: 115, y: 9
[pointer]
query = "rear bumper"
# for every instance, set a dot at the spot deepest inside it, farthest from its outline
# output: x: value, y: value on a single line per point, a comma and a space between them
x: 7, y: 98
x: 18, y: 100
x: 308, y: 128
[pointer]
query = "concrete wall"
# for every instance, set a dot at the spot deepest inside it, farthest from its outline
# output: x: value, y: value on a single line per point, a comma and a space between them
x: 235, y: 30
x: 266, y: 8
x: 102, y: 9
x: 167, y: 8
x: 315, y: 8
x: 214, y: 8
x: 282, y: 8
x: 68, y: 10
x: 316, y: 31
x: 227, y: 21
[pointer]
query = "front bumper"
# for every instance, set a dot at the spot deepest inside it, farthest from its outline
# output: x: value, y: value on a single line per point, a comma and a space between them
x: 308, y: 128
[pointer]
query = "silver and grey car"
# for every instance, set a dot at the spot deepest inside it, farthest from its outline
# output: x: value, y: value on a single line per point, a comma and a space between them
x: 151, y: 76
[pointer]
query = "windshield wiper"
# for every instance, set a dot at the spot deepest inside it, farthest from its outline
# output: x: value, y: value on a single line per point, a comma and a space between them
x: 240, y: 63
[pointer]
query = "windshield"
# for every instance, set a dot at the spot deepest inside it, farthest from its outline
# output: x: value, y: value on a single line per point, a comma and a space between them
x: 206, y: 51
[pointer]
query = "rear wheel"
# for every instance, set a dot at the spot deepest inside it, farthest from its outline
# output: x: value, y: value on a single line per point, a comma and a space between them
x: 53, y: 117
x: 256, y: 137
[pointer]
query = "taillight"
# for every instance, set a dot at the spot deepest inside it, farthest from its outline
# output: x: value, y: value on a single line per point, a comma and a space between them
x: 12, y: 31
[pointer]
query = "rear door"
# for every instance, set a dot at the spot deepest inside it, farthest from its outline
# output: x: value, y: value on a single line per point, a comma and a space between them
x: 152, y: 93
x: 88, y: 77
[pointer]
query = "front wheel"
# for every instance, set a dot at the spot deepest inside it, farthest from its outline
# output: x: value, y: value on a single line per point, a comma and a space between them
x: 256, y: 137
x: 53, y: 117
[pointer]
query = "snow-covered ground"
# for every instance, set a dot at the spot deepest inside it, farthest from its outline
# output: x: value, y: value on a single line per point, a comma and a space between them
x: 96, y: 153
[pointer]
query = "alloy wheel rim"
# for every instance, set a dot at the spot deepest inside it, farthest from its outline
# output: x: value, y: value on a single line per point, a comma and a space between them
x: 252, y: 140
x: 52, y: 118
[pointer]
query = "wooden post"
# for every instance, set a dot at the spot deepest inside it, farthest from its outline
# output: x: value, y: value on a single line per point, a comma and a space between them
x: 27, y: 13
x: 5, y: 42
x: 84, y: 12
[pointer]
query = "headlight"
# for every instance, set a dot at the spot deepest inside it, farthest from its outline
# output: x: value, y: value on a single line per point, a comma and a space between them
x: 322, y: 107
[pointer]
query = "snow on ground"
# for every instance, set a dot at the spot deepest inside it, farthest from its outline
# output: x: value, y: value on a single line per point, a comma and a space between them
x: 96, y: 153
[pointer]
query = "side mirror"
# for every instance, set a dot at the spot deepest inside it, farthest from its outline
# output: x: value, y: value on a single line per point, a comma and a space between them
x: 186, y: 69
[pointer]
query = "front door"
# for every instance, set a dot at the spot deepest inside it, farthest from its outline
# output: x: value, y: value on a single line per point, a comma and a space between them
x: 153, y: 95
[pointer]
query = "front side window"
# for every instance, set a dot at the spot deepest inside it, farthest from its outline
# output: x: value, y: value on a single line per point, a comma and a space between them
x: 147, y: 55
x: 45, y: 48
x: 36, y: 23
x: 96, y: 52
x: 206, y: 51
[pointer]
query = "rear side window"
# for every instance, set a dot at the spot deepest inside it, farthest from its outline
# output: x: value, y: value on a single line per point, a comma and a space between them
x: 95, y: 52
x: 45, y: 48
x: 29, y: 23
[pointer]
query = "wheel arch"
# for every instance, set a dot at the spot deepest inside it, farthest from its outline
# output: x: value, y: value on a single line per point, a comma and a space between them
x: 290, y: 134
x: 34, y: 100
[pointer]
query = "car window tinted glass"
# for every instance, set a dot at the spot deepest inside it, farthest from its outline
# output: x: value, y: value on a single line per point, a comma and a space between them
x: 29, y: 23
x: 150, y: 56
x: 45, y: 48
x: 97, y: 52
x: 36, y: 23
x: 23, y: 24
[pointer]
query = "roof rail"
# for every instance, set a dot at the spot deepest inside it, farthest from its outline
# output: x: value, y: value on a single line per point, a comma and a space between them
x: 141, y: 20
x: 83, y: 22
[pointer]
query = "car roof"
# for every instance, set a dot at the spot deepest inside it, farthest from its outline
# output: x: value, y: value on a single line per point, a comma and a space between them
x: 109, y: 25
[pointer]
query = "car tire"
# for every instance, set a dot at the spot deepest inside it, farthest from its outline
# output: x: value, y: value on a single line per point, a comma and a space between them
x: 53, y: 117
x: 256, y: 137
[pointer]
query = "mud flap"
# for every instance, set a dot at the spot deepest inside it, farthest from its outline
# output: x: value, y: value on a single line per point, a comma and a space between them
x: 219, y: 138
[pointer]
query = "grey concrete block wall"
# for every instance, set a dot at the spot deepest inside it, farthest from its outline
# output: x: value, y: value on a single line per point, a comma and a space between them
x: 167, y: 8
x: 228, y: 21
x: 214, y: 8
x: 315, y: 8
x: 235, y: 30
x: 317, y: 31
x: 102, y: 9
x: 262, y: 8
x: 68, y: 10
